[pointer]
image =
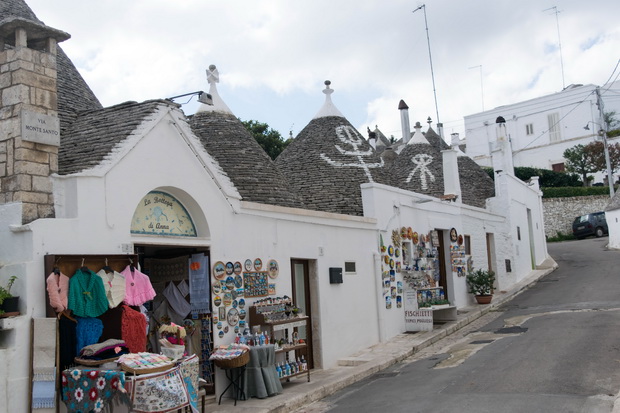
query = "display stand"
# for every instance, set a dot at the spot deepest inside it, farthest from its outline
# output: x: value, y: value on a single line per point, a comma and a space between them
x: 234, y: 370
x: 281, y: 327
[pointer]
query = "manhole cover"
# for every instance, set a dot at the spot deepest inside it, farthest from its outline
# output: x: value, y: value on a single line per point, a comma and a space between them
x: 482, y: 341
x: 511, y: 330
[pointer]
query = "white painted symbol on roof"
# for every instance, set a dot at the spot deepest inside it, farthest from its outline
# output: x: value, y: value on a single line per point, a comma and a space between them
x: 349, y: 136
x: 422, y: 160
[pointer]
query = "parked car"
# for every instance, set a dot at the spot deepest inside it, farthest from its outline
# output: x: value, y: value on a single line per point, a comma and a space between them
x: 590, y: 224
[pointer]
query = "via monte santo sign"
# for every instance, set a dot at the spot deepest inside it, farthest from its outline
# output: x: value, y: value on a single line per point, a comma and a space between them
x: 40, y: 128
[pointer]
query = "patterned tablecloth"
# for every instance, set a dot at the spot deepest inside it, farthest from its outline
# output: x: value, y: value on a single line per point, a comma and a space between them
x: 91, y: 390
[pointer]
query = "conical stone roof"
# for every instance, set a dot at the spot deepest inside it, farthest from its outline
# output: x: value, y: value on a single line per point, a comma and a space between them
x: 326, y: 164
x: 245, y: 162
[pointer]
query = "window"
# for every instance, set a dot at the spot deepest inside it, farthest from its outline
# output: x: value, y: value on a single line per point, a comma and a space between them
x: 349, y: 267
x: 554, y: 127
x: 529, y: 129
x: 558, y: 167
x: 467, y: 245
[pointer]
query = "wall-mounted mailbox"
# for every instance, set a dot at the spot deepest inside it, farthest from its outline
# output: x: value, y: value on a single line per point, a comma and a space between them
x: 335, y: 275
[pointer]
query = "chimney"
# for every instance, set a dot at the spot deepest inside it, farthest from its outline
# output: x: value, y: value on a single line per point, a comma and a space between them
x: 404, y: 120
x: 454, y: 139
x: 30, y: 128
x: 501, y: 149
x: 451, y: 179
x: 372, y: 138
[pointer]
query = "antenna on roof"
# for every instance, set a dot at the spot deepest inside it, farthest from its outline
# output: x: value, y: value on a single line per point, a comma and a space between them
x: 203, y: 97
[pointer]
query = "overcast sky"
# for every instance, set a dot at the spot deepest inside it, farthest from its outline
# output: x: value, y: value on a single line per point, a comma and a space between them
x: 274, y: 55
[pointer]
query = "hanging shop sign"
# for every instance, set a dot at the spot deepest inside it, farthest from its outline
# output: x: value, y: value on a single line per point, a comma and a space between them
x: 159, y: 213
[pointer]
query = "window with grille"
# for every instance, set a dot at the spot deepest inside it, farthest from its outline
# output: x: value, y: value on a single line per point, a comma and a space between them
x: 558, y: 167
x: 554, y: 127
x: 529, y: 129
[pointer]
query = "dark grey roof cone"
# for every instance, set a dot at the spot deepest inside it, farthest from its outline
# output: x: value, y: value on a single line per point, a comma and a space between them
x: 476, y: 184
x: 329, y: 160
x: 419, y: 166
x: 245, y: 162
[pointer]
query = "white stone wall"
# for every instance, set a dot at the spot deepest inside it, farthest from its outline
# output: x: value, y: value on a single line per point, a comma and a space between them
x: 561, y: 212
x: 613, y: 221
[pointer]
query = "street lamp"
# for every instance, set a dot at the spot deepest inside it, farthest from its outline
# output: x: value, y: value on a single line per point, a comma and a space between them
x: 603, y: 133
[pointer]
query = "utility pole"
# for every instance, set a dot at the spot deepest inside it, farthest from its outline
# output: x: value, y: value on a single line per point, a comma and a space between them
x: 430, y: 58
x: 557, y: 22
x: 603, y: 131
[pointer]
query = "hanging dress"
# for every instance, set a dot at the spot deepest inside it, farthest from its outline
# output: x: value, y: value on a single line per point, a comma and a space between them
x: 57, y: 291
x: 87, y: 294
x: 138, y: 288
x: 114, y: 284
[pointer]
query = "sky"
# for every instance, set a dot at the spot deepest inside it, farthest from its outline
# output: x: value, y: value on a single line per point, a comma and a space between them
x: 273, y: 56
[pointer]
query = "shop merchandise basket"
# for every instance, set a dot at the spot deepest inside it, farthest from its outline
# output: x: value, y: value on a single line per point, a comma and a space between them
x: 233, y: 363
x: 146, y: 370
x: 93, y: 363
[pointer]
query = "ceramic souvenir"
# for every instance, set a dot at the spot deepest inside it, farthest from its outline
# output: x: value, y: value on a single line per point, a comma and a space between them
x: 237, y: 268
x: 258, y: 264
x: 230, y: 268
x: 273, y: 268
x: 219, y: 270
x: 248, y: 265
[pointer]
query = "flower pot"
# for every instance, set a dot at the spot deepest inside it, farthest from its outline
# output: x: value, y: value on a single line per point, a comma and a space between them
x: 10, y: 306
x: 484, y: 299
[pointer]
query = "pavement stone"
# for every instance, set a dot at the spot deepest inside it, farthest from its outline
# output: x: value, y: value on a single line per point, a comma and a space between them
x: 300, y: 396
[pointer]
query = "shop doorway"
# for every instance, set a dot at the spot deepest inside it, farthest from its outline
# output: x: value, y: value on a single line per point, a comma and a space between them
x: 166, y: 264
x: 300, y: 273
x: 443, y: 277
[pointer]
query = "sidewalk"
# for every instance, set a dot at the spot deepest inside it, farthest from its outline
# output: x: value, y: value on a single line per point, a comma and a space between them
x: 298, y: 392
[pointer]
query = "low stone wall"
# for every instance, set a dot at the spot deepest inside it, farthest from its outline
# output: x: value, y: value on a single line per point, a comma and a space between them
x: 560, y: 213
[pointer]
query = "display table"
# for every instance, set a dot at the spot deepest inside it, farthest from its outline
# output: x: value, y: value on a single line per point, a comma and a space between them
x: 88, y: 389
x: 260, y: 376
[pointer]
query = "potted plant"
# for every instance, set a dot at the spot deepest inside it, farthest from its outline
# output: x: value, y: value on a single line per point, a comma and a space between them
x: 480, y: 283
x: 9, y: 305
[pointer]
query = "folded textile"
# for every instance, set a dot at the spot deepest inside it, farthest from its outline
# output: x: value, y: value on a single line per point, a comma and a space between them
x: 44, y: 394
x: 97, y: 347
x: 176, y: 300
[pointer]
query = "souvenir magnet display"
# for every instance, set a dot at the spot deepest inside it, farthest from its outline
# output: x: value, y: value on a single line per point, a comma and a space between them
x: 219, y: 270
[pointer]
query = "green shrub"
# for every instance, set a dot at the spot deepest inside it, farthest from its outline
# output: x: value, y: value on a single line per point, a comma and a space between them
x: 561, y: 237
x: 574, y: 191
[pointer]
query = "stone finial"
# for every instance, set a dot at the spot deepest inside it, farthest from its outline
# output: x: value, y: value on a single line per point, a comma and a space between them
x: 328, y: 109
x: 429, y: 121
x: 213, y: 76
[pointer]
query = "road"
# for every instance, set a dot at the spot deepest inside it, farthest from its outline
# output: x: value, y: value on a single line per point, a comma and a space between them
x: 553, y: 348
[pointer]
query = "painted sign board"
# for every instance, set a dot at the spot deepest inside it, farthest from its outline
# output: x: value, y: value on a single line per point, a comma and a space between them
x: 160, y: 213
x: 40, y: 128
x: 416, y: 319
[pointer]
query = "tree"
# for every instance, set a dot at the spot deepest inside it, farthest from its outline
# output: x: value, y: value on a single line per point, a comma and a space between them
x: 596, y: 152
x: 270, y: 140
x: 580, y: 161
x: 613, y: 124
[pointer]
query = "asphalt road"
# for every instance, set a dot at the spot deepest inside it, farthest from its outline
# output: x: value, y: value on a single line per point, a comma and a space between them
x: 553, y: 348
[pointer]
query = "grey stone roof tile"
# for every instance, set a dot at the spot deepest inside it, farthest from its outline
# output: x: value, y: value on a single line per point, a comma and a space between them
x: 245, y: 162
x: 92, y: 135
x: 321, y: 167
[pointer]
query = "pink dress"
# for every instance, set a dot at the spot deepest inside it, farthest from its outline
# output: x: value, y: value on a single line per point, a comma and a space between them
x: 138, y: 288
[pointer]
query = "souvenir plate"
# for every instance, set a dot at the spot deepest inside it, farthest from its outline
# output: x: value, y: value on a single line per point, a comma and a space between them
x: 238, y: 281
x: 227, y: 299
x: 258, y: 264
x: 221, y: 334
x: 409, y: 233
x: 230, y: 268
x: 242, y: 303
x: 232, y: 317
x: 248, y: 265
x: 453, y: 235
x: 230, y: 283
x: 414, y: 238
x: 242, y: 314
x: 460, y: 241
x: 397, y: 252
x: 219, y: 270
x: 235, y: 303
x: 216, y: 287
x: 273, y: 269
x: 403, y: 232
x: 386, y: 259
x: 237, y: 268
x: 217, y: 300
